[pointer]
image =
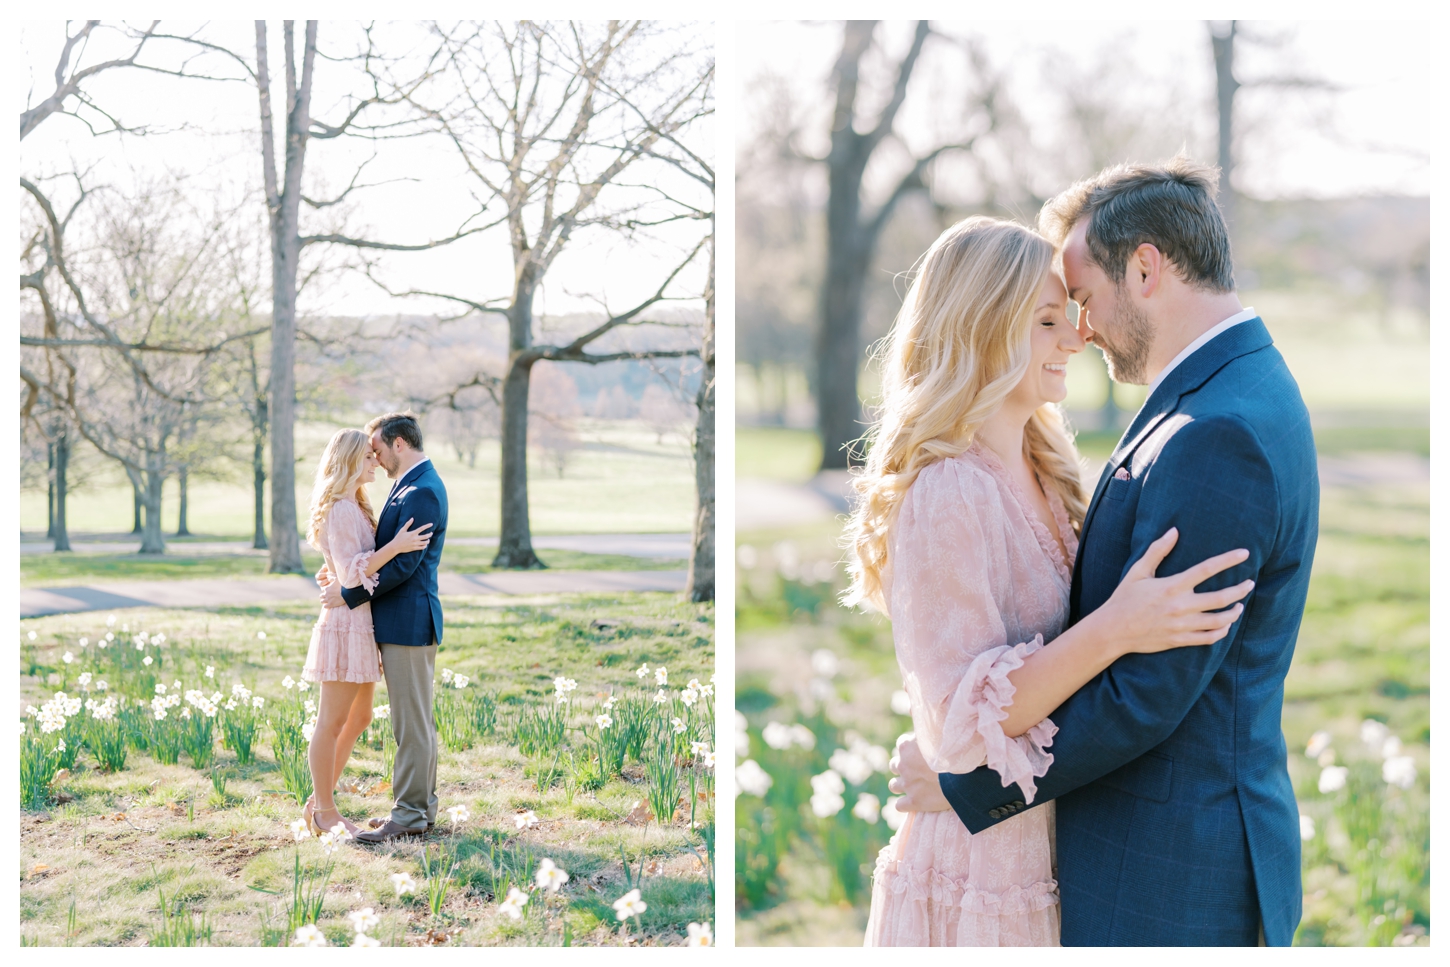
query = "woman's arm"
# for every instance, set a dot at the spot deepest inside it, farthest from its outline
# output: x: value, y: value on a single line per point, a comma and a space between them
x: 403, y: 542
x: 1145, y: 614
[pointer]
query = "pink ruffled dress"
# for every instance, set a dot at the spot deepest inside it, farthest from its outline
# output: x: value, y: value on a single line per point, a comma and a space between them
x: 975, y: 583
x: 343, y: 648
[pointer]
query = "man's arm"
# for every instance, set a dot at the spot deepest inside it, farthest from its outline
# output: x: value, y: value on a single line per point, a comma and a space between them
x: 422, y: 505
x: 1212, y: 481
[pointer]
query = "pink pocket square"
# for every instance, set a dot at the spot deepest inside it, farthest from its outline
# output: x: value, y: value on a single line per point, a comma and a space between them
x: 1122, y: 474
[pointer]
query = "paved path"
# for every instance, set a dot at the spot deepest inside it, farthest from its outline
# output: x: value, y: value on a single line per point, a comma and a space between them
x: 111, y: 596
x: 629, y: 545
x: 772, y: 504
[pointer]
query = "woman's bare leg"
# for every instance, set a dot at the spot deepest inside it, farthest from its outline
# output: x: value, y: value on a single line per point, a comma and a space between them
x: 334, y: 705
x: 359, y: 716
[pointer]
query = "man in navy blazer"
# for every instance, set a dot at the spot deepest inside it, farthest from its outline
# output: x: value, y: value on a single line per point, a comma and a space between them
x: 1176, y: 820
x: 407, y: 621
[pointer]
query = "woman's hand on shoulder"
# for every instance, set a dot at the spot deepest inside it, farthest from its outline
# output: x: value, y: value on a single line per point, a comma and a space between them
x: 1149, y: 614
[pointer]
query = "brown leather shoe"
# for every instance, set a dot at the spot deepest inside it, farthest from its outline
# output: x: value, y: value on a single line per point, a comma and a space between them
x: 378, y: 822
x: 388, y: 832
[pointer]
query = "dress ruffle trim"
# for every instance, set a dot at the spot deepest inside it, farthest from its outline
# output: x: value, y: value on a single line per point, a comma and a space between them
x: 929, y: 885
x: 343, y: 654
x: 989, y: 692
x: 354, y: 573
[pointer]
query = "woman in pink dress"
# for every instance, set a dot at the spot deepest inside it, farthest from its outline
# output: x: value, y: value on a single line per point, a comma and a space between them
x: 965, y: 535
x: 343, y: 656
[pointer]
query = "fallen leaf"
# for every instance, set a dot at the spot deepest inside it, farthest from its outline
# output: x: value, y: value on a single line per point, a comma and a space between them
x: 639, y: 814
x: 38, y: 868
x: 380, y: 788
x: 61, y: 775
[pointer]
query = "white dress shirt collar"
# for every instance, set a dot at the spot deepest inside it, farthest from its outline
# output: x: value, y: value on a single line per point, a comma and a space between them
x: 394, y: 488
x: 1243, y: 315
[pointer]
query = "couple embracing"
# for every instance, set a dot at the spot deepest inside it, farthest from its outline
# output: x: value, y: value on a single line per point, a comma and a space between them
x: 381, y: 619
x: 1097, y: 756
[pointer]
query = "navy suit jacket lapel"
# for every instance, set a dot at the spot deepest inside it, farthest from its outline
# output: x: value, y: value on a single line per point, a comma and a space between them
x: 398, y: 485
x: 1246, y: 337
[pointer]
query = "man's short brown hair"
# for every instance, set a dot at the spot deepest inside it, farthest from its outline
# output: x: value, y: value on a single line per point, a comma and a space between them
x: 394, y: 425
x: 1170, y: 206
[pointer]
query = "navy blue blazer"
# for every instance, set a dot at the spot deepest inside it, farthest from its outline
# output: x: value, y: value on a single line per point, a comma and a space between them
x: 406, y: 609
x: 1176, y: 821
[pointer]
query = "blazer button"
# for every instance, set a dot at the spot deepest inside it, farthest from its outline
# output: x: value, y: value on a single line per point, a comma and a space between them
x: 995, y: 813
x: 1019, y: 804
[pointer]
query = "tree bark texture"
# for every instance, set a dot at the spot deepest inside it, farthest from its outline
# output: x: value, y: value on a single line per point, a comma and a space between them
x: 1227, y: 87
x: 701, y: 583
x: 259, y: 494
x: 851, y: 242
x: 59, y: 530
x: 181, y: 529
x: 136, y: 504
x: 283, y: 202
x: 515, y: 539
x: 50, y: 490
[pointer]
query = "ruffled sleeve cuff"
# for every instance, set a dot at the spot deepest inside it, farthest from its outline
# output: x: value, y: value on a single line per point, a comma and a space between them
x: 354, y: 573
x: 976, y: 714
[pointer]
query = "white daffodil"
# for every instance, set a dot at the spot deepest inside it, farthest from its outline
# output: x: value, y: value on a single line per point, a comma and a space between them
x: 309, y: 936
x: 1399, y: 771
x: 698, y: 749
x: 1318, y: 742
x: 403, y: 883
x: 867, y: 808
x: 708, y: 759
x: 257, y: 701
x: 699, y: 935
x: 447, y: 675
x: 298, y: 826
x: 513, y: 904
x: 894, y: 817
x: 363, y: 940
x: 31, y: 635
x: 146, y: 660
x: 1306, y: 827
x: 640, y: 672
x: 210, y: 671
x: 1333, y: 779
x: 101, y: 685
x: 302, y: 686
x: 363, y: 920
x: 550, y: 877
x: 662, y: 676
x: 261, y: 636
x: 460, y: 681
x: 629, y: 905
x: 67, y: 658
x: 689, y: 696
x: 603, y: 721
x: 458, y: 814
x: 288, y: 683
x: 110, y: 620
x: 84, y: 642
x: 751, y: 779
x: 526, y: 820
x: 660, y: 697
x: 679, y: 726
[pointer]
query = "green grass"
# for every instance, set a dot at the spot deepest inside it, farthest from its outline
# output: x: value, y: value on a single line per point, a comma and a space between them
x: 60, y: 570
x: 777, y: 453
x: 1363, y: 652
x: 123, y: 834
x: 600, y: 492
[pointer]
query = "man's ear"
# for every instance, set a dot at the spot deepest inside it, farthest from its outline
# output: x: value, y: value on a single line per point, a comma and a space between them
x: 1145, y: 269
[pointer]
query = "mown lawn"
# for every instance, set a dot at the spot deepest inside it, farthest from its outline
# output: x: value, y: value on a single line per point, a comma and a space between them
x: 59, y: 570
x: 92, y: 863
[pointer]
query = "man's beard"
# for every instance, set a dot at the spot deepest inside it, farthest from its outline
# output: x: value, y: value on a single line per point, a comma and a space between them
x: 1127, y: 354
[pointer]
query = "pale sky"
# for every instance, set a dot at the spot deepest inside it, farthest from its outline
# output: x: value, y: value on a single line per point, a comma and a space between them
x: 1383, y: 69
x: 212, y: 134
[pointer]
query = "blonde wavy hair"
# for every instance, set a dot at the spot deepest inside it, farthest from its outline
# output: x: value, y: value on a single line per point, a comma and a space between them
x: 960, y: 344
x: 341, y: 462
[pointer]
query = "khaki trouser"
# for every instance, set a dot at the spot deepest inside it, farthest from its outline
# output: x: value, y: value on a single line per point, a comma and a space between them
x: 408, y: 670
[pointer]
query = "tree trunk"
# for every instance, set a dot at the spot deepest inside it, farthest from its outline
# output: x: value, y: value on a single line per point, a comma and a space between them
x: 181, y: 530
x: 259, y: 485
x: 286, y: 557
x: 50, y: 490
x: 848, y: 258
x: 701, y: 583
x: 136, y: 527
x: 515, y: 540
x: 59, y: 530
x: 1223, y: 65
x: 152, y: 541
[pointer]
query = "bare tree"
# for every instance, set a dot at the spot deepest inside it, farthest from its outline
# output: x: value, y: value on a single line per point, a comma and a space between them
x: 123, y: 340
x: 852, y: 231
x: 548, y: 116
